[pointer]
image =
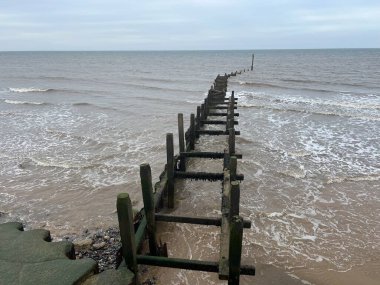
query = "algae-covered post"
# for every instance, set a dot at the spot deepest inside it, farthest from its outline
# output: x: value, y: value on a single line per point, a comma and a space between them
x: 234, y: 198
x: 148, y: 198
x: 192, y: 131
x: 170, y: 169
x: 181, y: 138
x: 231, y: 141
x: 127, y: 232
x: 198, y: 121
x: 235, y: 246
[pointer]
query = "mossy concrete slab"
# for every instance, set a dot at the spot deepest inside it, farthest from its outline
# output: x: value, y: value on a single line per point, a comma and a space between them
x: 30, y: 258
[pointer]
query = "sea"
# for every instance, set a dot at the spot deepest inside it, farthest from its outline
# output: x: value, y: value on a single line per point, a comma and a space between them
x: 75, y: 126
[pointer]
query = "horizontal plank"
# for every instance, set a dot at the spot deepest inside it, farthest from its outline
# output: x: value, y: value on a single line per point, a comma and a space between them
x: 215, y: 132
x: 198, y: 265
x: 204, y: 176
x: 207, y: 221
x: 180, y: 263
x: 215, y: 122
x: 221, y: 107
x: 212, y: 155
x: 221, y: 114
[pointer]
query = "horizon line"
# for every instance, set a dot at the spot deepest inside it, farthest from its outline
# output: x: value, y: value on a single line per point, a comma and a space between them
x: 174, y: 50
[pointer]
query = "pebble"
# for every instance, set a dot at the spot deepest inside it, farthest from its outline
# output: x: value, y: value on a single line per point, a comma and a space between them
x: 99, y: 245
x: 105, y: 249
x: 82, y: 244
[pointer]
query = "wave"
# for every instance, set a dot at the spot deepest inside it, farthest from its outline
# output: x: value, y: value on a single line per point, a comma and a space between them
x: 373, y: 177
x: 82, y: 104
x: 313, y: 112
x: 30, y: 89
x: 15, y: 102
x: 279, y: 86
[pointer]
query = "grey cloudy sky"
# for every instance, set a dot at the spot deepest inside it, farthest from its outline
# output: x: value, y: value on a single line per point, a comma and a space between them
x: 188, y: 24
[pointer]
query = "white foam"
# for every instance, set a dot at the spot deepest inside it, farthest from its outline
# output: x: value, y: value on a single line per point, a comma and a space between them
x: 22, y: 102
x: 306, y: 237
x: 26, y: 90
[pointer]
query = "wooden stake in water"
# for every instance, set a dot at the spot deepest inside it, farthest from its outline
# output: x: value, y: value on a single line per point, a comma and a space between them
x: 232, y: 167
x: 234, y: 199
x: 192, y: 131
x: 148, y: 198
x: 235, y: 246
x: 253, y: 58
x: 170, y: 169
x: 181, y: 137
x: 127, y: 232
x: 231, y: 141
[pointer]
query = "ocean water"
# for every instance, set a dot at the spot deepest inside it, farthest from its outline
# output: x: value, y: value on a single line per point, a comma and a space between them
x: 75, y: 126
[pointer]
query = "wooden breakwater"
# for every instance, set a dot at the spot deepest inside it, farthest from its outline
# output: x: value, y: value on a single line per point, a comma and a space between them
x: 162, y: 194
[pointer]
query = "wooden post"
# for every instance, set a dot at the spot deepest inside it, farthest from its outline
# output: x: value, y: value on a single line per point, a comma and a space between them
x: 235, y: 246
x: 181, y: 137
x: 234, y: 198
x: 148, y: 198
x: 226, y: 160
x: 192, y: 131
x: 206, y: 110
x: 253, y: 58
x: 202, y: 111
x: 233, y: 167
x: 198, y: 122
x: 127, y: 232
x: 170, y: 169
x: 231, y: 141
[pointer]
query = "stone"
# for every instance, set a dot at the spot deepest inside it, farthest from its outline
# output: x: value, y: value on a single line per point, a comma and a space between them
x: 83, y: 244
x: 99, y: 245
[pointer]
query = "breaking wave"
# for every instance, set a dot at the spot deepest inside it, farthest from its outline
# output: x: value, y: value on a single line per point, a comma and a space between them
x: 30, y: 89
x: 15, y: 102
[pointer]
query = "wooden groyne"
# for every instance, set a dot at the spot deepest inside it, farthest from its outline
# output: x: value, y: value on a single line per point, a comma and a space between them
x: 162, y: 194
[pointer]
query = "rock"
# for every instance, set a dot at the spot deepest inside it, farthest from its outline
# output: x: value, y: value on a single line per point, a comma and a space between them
x: 83, y: 244
x: 99, y: 245
x: 106, y: 237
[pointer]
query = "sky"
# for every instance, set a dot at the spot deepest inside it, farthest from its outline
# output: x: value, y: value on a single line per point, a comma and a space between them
x: 52, y: 25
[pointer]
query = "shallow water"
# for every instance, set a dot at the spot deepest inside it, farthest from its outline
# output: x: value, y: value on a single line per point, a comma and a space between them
x: 75, y: 126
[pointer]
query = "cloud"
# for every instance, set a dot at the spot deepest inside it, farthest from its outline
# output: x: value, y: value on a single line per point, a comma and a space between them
x: 187, y: 24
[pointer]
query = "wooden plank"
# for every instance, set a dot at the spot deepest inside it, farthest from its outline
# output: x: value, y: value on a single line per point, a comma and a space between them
x: 206, y: 221
x: 216, y: 132
x: 221, y: 107
x: 203, y: 176
x: 198, y: 265
x: 221, y: 114
x: 212, y: 155
x: 216, y: 122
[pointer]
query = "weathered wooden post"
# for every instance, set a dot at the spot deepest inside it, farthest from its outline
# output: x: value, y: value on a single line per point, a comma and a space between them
x: 148, y: 198
x: 231, y: 141
x: 226, y: 160
x: 202, y: 111
x: 234, y: 198
x: 253, y: 58
x: 233, y: 167
x: 170, y: 169
x: 181, y: 137
x: 192, y: 131
x: 206, y: 108
x: 198, y: 122
x: 127, y: 232
x: 235, y: 247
